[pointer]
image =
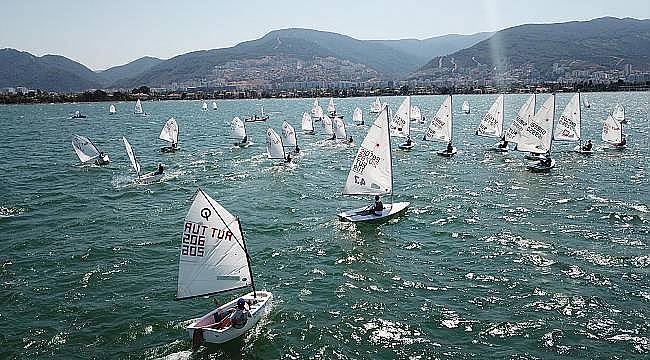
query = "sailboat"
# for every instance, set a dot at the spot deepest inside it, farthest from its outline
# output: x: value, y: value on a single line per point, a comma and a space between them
x: 376, y: 106
x: 328, y: 127
x: 619, y: 113
x: 255, y: 117
x: 440, y: 128
x: 416, y: 113
x: 169, y: 133
x: 146, y: 178
x: 274, y: 146
x: 537, y: 136
x: 331, y: 108
x: 492, y: 123
x: 339, y: 130
x: 204, y: 106
x: 214, y: 105
x: 214, y: 259
x: 138, y: 108
x: 77, y: 115
x: 289, y: 136
x: 316, y: 110
x: 567, y: 127
x: 524, y: 116
x: 586, y: 103
x: 371, y: 173
x: 111, y: 109
x: 465, y: 107
x: 238, y: 130
x: 400, y: 124
x: 357, y: 116
x: 87, y: 151
x: 307, y: 124
x: 613, y: 134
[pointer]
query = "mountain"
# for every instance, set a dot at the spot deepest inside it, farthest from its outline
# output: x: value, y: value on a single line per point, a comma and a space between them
x: 424, y: 50
x: 598, y: 44
x: 49, y: 72
x: 134, y: 68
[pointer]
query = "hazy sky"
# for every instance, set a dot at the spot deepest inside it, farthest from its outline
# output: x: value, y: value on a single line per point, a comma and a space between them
x: 101, y: 34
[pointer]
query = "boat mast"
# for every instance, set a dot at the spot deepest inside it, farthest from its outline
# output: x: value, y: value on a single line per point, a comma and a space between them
x: 552, y: 126
x: 248, y: 258
x: 390, y: 154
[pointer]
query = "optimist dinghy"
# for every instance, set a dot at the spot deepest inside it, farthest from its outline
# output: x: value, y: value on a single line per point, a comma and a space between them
x: 142, y: 179
x: 169, y: 133
x: 87, y: 151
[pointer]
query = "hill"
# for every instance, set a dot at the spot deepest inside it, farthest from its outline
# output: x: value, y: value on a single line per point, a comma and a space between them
x: 134, y: 68
x: 424, y: 50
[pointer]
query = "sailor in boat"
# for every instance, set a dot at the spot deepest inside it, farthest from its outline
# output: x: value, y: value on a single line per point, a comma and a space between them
x: 588, y: 146
x: 333, y: 137
x: 245, y: 139
x: 408, y: 142
x: 158, y: 171
x: 450, y: 147
x: 622, y: 143
x: 235, y: 317
x: 375, y: 208
x: 546, y: 161
x: 297, y: 150
x: 288, y: 158
x: 504, y: 143
x: 100, y: 160
x: 350, y: 140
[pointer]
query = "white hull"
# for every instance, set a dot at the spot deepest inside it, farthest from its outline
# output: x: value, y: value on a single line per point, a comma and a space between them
x: 149, y: 178
x: 531, y: 156
x: 537, y: 167
x: 406, y: 147
x: 614, y: 147
x: 579, y: 150
x: 448, y: 154
x: 102, y: 160
x: 219, y: 336
x: 389, y: 210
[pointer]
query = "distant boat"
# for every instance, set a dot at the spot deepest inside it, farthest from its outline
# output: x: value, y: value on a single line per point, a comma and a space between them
x: 328, y: 127
x: 567, y: 127
x: 214, y: 105
x: 146, y: 178
x: 537, y: 136
x: 204, y: 106
x: 416, y: 113
x: 138, y: 108
x: 376, y: 106
x: 492, y: 123
x: 619, y: 113
x: 441, y: 127
x: 214, y: 259
x: 307, y: 124
x: 586, y: 103
x: 77, y: 115
x: 338, y: 126
x: 289, y: 136
x: 274, y: 146
x: 371, y: 173
x: 613, y: 133
x: 111, y: 109
x: 465, y: 107
x: 238, y: 131
x: 357, y: 116
x: 255, y: 117
x: 87, y: 151
x: 400, y: 124
x: 524, y: 115
x: 316, y: 110
x: 169, y: 133
x: 331, y: 108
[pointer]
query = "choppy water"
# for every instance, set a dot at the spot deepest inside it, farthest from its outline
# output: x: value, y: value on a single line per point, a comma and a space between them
x: 490, y: 261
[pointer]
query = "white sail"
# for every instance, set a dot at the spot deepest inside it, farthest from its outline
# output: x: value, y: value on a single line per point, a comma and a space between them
x: 213, y: 255
x: 416, y: 113
x: 619, y: 113
x: 330, y: 106
x: 327, y: 125
x: 318, y: 113
x: 274, y: 147
x: 536, y: 137
x: 204, y: 106
x: 492, y: 123
x: 84, y: 148
x: 307, y: 123
x: 131, y: 153
x: 111, y: 109
x: 339, y: 128
x: 289, y: 135
x: 357, y: 116
x: 314, y: 109
x: 526, y: 113
x: 214, y: 105
x: 465, y: 107
x: 238, y: 129
x: 400, y: 124
x: 376, y: 106
x: 441, y: 124
x: 586, y: 103
x: 612, y: 131
x: 372, y: 170
x: 138, y: 107
x: 169, y: 132
x: 567, y: 127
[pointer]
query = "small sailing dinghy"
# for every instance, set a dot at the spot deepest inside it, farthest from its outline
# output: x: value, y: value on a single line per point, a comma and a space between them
x: 111, y: 109
x: 440, y: 128
x: 77, y: 115
x: 567, y: 127
x: 204, y: 106
x: 238, y: 131
x: 524, y: 115
x: 138, y: 108
x: 307, y: 124
x: 275, y: 147
x: 214, y: 105
x: 465, y: 107
x: 619, y: 113
x: 612, y: 134
x: 328, y: 127
x: 214, y: 259
x: 169, y: 133
x: 371, y: 173
x: 537, y: 137
x: 316, y: 109
x: 87, y: 151
x: 376, y: 106
x: 492, y: 124
x: 416, y: 114
x: 290, y: 138
x: 400, y: 124
x: 146, y: 178
x: 586, y: 103
x: 331, y: 108
x: 357, y: 116
x: 255, y: 117
x: 339, y: 130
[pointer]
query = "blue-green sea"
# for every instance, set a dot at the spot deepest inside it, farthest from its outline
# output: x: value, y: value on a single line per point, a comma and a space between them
x: 489, y: 261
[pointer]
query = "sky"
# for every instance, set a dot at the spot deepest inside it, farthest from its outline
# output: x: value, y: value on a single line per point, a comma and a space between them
x: 101, y: 34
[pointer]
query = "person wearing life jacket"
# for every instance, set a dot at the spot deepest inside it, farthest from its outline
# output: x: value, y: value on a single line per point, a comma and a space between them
x: 588, y: 146
x: 240, y: 316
